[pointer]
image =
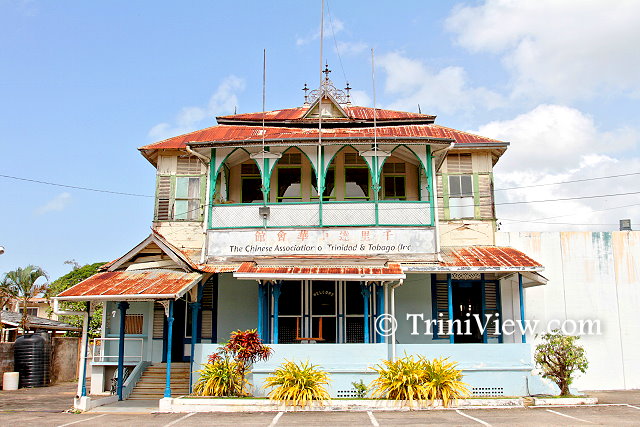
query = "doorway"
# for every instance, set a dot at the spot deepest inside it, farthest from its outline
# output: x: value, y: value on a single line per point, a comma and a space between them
x: 467, y: 304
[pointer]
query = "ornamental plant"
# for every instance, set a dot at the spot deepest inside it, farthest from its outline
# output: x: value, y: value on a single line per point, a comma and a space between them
x: 225, y: 372
x: 419, y: 379
x: 298, y: 384
x: 560, y: 357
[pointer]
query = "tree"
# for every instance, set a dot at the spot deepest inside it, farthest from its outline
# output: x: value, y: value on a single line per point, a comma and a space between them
x: 75, y: 276
x: 559, y: 357
x: 21, y: 284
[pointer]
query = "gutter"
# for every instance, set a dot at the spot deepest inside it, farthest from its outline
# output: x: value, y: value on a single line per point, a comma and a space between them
x: 144, y: 297
x: 418, y: 139
x: 393, y: 317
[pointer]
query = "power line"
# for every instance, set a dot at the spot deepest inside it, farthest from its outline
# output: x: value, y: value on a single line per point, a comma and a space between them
x: 562, y: 216
x: 335, y: 42
x: 568, y: 182
x: 74, y: 186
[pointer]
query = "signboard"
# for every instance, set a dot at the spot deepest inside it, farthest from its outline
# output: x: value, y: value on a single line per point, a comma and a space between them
x: 332, y: 241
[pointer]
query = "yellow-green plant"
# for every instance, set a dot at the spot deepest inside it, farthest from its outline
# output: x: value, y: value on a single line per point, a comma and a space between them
x: 419, y: 379
x: 402, y: 379
x: 443, y: 380
x: 298, y: 384
x: 220, y: 377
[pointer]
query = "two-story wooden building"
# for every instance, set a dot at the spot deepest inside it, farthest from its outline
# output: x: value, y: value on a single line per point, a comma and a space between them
x: 339, y: 232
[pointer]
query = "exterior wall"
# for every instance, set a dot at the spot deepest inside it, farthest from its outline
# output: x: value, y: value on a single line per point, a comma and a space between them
x: 413, y: 297
x: 237, y: 305
x: 183, y: 234
x: 6, y: 358
x: 64, y: 360
x: 467, y: 232
x: 592, y: 275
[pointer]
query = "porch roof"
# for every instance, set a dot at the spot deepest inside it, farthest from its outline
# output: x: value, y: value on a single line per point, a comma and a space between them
x: 132, y: 285
x: 252, y: 271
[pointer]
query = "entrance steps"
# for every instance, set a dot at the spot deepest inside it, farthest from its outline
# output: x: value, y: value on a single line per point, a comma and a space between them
x: 152, y: 382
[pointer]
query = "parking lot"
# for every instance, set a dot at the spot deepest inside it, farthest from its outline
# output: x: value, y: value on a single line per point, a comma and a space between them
x: 618, y: 414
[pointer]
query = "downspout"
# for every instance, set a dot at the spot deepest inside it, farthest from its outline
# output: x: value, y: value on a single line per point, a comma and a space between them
x: 393, y: 316
x: 82, y: 380
x: 207, y: 203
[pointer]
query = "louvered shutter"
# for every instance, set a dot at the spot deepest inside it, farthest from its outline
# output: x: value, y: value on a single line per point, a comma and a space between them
x: 440, y: 307
x: 163, y: 198
x: 491, y: 296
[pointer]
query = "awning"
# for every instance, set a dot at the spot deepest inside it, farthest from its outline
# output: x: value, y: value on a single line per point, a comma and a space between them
x: 132, y: 285
x: 249, y: 270
x: 502, y: 260
x: 11, y: 318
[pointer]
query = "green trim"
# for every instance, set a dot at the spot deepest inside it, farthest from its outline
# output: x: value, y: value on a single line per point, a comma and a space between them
x: 321, y: 178
x: 213, y: 177
x: 445, y: 196
x: 431, y: 186
x: 476, y: 196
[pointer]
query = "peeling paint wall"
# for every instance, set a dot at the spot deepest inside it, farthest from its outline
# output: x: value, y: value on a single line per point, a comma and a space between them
x: 592, y: 276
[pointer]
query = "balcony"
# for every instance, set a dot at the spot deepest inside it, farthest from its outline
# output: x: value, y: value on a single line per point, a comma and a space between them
x: 328, y: 214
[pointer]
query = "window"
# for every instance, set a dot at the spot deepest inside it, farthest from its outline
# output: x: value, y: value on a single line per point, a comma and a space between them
x: 133, y: 324
x: 461, y: 202
x: 187, y: 198
x: 289, y: 175
x: 394, y: 181
x: 356, y: 177
x: 30, y: 311
x: 329, y: 186
x: 251, y: 183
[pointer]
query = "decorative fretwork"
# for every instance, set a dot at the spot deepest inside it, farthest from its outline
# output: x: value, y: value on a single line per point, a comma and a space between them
x: 328, y: 88
x: 465, y: 276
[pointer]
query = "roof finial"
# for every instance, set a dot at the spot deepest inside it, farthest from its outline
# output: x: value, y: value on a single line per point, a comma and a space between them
x: 306, y: 94
x: 348, y: 89
x: 326, y: 72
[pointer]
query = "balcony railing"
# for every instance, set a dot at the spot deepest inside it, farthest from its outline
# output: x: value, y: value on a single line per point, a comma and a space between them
x: 328, y: 214
x: 105, y: 350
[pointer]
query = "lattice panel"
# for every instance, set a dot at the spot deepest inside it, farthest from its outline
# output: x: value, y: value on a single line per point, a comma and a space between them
x: 348, y: 394
x: 294, y: 215
x: 348, y: 214
x: 354, y: 329
x: 235, y: 216
x: 404, y: 213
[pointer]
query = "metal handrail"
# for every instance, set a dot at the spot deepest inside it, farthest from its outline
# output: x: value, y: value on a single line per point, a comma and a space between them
x: 99, y: 348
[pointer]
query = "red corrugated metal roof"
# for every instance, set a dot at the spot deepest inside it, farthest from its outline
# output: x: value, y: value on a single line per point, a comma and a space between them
x: 251, y: 270
x: 211, y: 268
x: 132, y: 285
x: 486, y: 256
x: 237, y: 134
x: 353, y: 112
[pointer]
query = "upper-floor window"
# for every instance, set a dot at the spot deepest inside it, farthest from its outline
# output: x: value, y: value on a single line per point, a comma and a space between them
x: 180, y: 189
x: 356, y: 177
x: 187, y: 198
x: 289, y: 176
x: 251, y: 190
x: 394, y: 181
x: 461, y: 204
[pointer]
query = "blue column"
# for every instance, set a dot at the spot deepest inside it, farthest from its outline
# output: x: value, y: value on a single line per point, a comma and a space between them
x: 195, y: 308
x: 276, y: 296
x: 521, y: 292
x: 379, y: 309
x: 483, y: 285
x: 450, y: 305
x: 167, y: 388
x: 366, y: 294
x: 123, y: 306
x: 86, y: 351
x: 261, y: 311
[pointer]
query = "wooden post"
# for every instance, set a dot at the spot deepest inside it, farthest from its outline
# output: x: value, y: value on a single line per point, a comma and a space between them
x: 167, y: 388
x: 123, y: 306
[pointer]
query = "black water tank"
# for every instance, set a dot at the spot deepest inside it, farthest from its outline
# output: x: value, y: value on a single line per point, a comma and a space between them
x: 31, y: 360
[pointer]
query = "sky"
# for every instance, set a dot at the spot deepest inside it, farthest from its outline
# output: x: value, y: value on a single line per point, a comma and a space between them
x: 84, y: 84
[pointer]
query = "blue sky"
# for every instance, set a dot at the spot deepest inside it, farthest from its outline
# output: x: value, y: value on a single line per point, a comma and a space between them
x: 84, y: 84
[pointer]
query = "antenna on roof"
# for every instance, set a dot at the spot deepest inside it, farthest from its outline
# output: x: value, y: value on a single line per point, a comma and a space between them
x: 419, y: 110
x: 235, y: 110
x: 321, y: 94
x: 375, y: 129
x: 264, y: 90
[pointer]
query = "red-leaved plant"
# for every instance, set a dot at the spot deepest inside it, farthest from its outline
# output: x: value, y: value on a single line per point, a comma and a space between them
x: 245, y: 348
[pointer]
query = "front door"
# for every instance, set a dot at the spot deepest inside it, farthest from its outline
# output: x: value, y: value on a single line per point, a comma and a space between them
x: 467, y: 304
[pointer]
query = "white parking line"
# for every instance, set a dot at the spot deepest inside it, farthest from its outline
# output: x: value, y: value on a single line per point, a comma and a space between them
x: 473, y: 418
x: 374, y: 422
x: 569, y: 416
x: 82, y: 420
x: 634, y: 407
x: 275, y: 419
x: 180, y: 419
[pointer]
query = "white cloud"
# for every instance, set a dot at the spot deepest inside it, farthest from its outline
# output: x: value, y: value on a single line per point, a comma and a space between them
x: 223, y: 101
x: 351, y: 48
x: 360, y: 98
x: 559, y: 49
x: 447, y: 90
x: 57, y: 204
x: 553, y: 144
x: 338, y: 26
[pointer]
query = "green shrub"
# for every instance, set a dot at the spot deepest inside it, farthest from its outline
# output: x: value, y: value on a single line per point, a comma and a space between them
x: 360, y: 388
x: 559, y: 357
x: 419, y: 379
x: 298, y: 384
x: 220, y: 377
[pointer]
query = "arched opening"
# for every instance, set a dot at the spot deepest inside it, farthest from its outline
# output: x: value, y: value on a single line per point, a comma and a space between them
x: 348, y: 177
x: 239, y: 180
x: 402, y: 176
x: 292, y: 178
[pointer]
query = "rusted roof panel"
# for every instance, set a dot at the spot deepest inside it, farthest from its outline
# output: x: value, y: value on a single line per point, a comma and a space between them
x: 486, y: 256
x: 354, y: 113
x: 116, y: 285
x: 239, y: 134
x: 250, y: 270
x: 211, y: 268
